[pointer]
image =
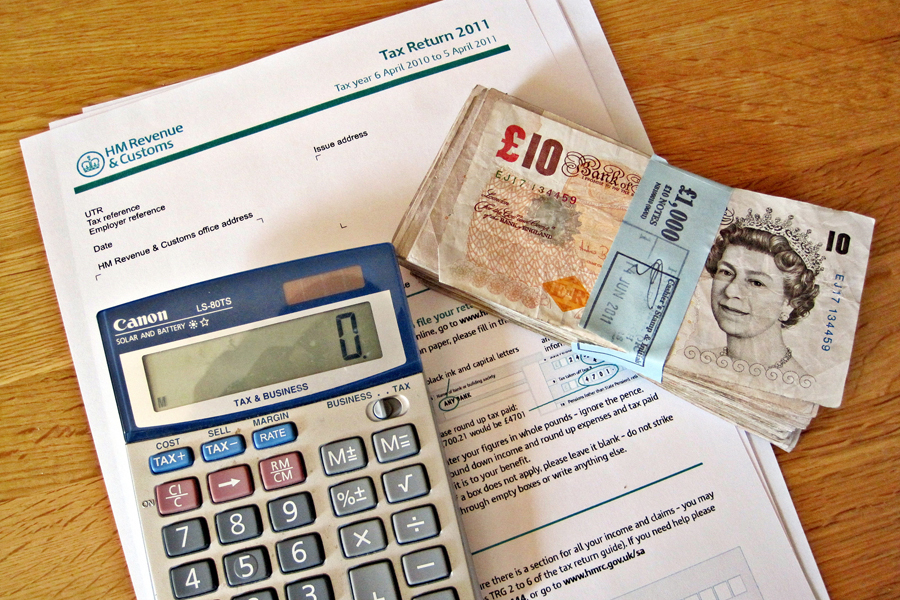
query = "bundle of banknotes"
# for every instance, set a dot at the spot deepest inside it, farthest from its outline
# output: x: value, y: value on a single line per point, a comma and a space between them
x: 521, y: 207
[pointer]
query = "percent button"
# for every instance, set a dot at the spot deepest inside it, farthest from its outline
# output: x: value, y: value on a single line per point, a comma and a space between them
x: 353, y: 496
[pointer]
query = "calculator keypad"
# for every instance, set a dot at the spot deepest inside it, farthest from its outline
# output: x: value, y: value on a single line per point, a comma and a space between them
x: 366, y: 518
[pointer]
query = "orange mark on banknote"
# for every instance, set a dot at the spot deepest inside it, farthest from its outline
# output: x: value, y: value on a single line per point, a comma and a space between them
x: 568, y: 293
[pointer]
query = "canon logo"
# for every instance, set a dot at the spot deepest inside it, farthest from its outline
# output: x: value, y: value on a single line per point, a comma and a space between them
x: 141, y: 321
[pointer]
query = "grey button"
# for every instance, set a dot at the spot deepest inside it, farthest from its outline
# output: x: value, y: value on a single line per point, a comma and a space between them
x: 406, y: 483
x: 444, y: 594
x: 308, y: 589
x: 375, y: 580
x: 415, y: 524
x: 185, y: 537
x: 246, y: 566
x: 266, y: 594
x: 193, y: 579
x: 353, y: 496
x: 299, y: 553
x: 363, y: 538
x: 425, y: 566
x: 395, y: 443
x: 238, y: 525
x: 291, y: 511
x: 343, y: 456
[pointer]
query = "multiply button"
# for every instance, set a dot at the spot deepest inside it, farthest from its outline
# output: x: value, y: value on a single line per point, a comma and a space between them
x: 282, y: 471
x: 363, y: 538
x: 230, y: 484
x: 178, y: 496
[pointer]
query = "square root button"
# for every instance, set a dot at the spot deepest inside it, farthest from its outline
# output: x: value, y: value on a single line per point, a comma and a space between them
x: 282, y: 470
x: 230, y: 484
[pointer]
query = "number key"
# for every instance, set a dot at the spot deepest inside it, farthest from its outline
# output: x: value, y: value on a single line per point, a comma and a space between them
x: 193, y: 579
x: 185, y: 537
x: 266, y: 594
x: 238, y: 524
x: 299, y: 553
x: 291, y: 512
x: 314, y: 588
x: 246, y: 566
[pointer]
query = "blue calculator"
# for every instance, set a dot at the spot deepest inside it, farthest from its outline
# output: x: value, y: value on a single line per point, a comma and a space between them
x: 280, y: 438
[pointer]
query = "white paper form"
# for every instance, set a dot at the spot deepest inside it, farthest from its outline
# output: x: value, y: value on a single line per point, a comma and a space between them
x: 579, y: 481
x: 286, y: 191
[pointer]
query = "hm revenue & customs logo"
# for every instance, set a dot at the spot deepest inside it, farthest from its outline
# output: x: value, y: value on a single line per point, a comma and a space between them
x: 90, y: 164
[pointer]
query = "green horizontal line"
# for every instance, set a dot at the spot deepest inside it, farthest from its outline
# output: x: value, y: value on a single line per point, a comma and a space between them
x: 584, y: 510
x: 291, y: 117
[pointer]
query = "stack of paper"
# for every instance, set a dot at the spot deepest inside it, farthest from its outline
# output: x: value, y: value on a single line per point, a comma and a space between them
x: 521, y: 208
x: 321, y: 148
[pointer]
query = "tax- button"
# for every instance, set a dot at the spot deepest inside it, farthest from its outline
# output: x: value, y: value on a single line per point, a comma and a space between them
x: 223, y: 448
x: 274, y: 436
x: 230, y: 484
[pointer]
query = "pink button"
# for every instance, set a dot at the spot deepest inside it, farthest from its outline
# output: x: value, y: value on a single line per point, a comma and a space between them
x: 230, y: 484
x: 282, y: 471
x: 178, y: 496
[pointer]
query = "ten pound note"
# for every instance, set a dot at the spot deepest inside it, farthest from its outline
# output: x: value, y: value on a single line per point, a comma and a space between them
x: 521, y: 207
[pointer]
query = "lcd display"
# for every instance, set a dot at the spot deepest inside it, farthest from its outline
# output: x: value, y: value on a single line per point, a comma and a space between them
x: 255, y: 358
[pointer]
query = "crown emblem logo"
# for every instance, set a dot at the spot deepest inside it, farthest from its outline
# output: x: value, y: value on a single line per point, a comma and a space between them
x: 90, y: 164
x: 797, y: 239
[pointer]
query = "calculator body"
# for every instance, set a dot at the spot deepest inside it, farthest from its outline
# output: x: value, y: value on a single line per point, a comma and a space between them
x: 280, y: 438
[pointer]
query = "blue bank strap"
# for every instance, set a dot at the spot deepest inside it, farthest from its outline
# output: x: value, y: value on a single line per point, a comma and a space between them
x: 647, y: 280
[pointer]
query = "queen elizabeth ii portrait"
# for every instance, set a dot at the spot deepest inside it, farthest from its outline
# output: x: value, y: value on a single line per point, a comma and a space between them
x: 763, y: 282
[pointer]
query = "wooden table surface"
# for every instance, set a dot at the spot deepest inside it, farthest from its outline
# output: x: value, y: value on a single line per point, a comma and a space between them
x: 791, y: 98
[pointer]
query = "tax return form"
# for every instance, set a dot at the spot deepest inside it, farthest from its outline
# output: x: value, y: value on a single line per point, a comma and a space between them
x: 312, y: 150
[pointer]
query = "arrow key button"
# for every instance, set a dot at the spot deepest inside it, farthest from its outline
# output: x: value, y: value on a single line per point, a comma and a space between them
x: 230, y: 484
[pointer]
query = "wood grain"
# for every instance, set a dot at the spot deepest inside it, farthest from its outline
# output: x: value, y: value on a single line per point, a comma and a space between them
x: 786, y: 98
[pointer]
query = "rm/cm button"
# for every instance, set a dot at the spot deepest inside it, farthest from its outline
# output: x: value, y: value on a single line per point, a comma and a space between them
x: 282, y: 471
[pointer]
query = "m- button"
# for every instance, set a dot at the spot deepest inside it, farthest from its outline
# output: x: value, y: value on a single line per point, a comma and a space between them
x: 282, y: 471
